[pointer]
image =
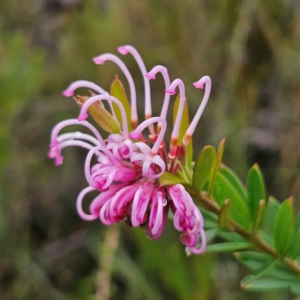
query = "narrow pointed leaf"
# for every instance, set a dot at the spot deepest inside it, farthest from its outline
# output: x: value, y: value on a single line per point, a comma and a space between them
x: 203, y: 167
x: 252, y: 260
x: 256, y: 260
x: 211, y: 220
x: 263, y: 285
x: 185, y: 122
x: 231, y: 236
x: 256, y: 189
x: 234, y: 180
x: 117, y: 90
x: 224, y: 214
x: 259, y: 217
x: 272, y: 209
x: 216, y: 166
x: 169, y: 179
x: 295, y: 288
x: 239, y: 211
x: 294, y: 248
x: 230, y: 246
x: 101, y: 116
x: 283, y: 226
x: 211, y: 234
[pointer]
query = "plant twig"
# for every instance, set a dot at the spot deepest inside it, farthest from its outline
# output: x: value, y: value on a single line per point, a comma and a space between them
x: 212, y: 206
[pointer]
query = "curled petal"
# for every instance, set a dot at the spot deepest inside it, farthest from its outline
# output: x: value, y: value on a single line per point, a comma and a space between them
x: 120, y: 203
x: 104, y: 214
x: 80, y: 211
x: 99, y: 201
x: 202, y: 248
x: 140, y: 203
x: 122, y: 149
x: 190, y: 240
x: 158, y: 213
x: 152, y: 166
x: 181, y: 199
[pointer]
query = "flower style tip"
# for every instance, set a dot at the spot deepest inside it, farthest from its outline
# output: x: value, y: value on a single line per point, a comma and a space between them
x: 170, y: 92
x: 98, y: 60
x: 135, y: 135
x: 197, y: 85
x: 68, y: 93
x: 123, y: 50
x: 150, y: 76
x: 83, y: 116
x: 203, y: 80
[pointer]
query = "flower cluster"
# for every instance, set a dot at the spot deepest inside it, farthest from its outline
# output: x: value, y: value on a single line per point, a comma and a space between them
x: 126, y: 167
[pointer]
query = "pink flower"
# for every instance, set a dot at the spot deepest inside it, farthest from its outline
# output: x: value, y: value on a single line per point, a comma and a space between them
x: 125, y: 168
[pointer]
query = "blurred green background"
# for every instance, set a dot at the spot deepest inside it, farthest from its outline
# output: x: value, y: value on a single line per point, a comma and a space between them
x: 251, y: 50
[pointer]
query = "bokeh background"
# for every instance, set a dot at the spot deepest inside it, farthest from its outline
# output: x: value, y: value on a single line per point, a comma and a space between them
x: 251, y: 50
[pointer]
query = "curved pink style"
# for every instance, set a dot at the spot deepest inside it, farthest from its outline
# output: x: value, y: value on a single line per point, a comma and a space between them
x: 199, y: 85
x: 107, y: 56
x: 151, y: 75
x: 62, y: 124
x: 69, y: 91
x: 175, y: 133
x: 140, y: 203
x: 124, y: 50
x: 136, y: 133
x: 83, y: 112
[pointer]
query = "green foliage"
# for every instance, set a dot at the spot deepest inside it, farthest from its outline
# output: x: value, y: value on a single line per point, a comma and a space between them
x: 169, y: 179
x: 101, y: 116
x: 256, y: 190
x: 267, y: 228
x: 216, y: 165
x: 203, y: 167
x: 117, y: 90
x: 283, y: 226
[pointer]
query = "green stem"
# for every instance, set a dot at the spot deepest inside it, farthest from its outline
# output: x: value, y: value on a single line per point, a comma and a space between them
x: 212, y: 206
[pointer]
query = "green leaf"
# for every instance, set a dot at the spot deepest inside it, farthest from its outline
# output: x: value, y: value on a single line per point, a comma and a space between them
x: 228, y: 246
x: 283, y: 226
x: 267, y: 237
x: 252, y: 260
x: 185, y: 123
x: 210, y: 219
x: 256, y: 189
x: 101, y: 116
x: 211, y: 234
x: 259, y: 217
x: 169, y: 179
x: 216, y: 166
x: 272, y: 209
x: 239, y: 211
x: 295, y: 288
x: 234, y: 180
x: 256, y: 261
x: 224, y: 215
x: 203, y: 167
x: 231, y: 236
x: 294, y: 247
x: 117, y: 90
x: 261, y: 285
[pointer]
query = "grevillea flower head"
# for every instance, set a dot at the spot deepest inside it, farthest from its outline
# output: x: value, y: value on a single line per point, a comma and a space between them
x: 127, y: 167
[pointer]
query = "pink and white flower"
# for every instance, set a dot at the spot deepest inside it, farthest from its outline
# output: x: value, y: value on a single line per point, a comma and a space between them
x: 125, y: 168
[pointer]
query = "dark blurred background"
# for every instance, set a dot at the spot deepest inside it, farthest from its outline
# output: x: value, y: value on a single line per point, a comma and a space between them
x: 251, y: 50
